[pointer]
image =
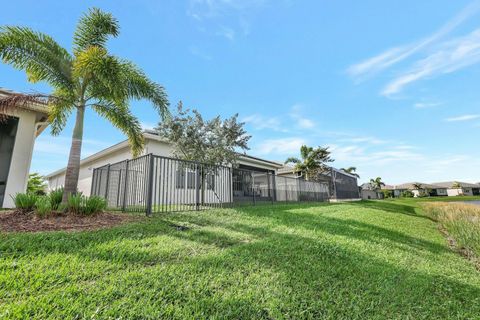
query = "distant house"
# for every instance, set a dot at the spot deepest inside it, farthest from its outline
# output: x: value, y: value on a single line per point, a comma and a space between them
x: 417, y: 188
x: 17, y: 136
x: 457, y: 188
x: 367, y: 192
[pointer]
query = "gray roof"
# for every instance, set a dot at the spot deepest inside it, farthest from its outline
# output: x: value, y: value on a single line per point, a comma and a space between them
x: 411, y: 186
x: 449, y: 184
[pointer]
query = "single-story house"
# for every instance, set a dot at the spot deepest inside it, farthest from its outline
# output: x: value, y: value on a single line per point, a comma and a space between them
x: 18, y: 131
x: 368, y: 192
x: 153, y: 144
x: 457, y: 188
x: 417, y: 188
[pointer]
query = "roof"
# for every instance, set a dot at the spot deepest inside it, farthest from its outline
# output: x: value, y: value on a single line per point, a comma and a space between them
x: 411, y: 186
x: 449, y: 184
x: 289, y: 169
x: 37, y: 107
x: 149, y: 135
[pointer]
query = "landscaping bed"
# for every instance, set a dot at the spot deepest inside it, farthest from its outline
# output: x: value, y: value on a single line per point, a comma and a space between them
x: 17, y: 221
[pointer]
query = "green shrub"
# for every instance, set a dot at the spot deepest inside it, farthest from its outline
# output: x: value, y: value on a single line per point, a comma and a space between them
x: 407, y: 194
x: 94, y: 205
x: 56, y: 198
x: 81, y: 205
x: 25, y: 201
x: 387, y: 193
x: 43, y: 206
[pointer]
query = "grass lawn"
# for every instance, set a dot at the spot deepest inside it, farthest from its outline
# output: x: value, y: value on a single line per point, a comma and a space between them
x: 375, y: 260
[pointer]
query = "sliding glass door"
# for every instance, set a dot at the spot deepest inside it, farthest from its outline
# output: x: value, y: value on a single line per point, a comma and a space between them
x: 8, y: 132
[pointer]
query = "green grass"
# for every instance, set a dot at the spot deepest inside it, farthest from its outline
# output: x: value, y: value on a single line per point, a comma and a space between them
x: 366, y: 260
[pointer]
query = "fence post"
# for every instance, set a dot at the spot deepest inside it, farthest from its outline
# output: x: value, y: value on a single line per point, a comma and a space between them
x: 150, y: 185
x: 253, y: 186
x: 107, y: 183
x: 94, y: 178
x: 125, y: 188
x: 197, y: 186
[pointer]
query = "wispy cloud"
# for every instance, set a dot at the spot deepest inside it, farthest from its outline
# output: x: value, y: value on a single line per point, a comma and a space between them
x: 394, y: 55
x: 425, y: 105
x: 441, y: 58
x: 449, y: 57
x: 300, y: 120
x: 227, y: 33
x: 465, y: 117
x: 283, y: 146
x: 200, y: 53
x: 259, y: 122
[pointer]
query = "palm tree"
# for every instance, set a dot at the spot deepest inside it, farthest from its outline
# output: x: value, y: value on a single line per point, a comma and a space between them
x: 456, y: 185
x: 312, y: 162
x: 417, y: 186
x: 377, y: 183
x: 88, y: 78
x: 351, y: 170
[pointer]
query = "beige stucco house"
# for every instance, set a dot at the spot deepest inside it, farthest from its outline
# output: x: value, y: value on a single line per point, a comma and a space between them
x: 417, y: 188
x: 153, y: 144
x: 457, y: 188
x: 17, y: 137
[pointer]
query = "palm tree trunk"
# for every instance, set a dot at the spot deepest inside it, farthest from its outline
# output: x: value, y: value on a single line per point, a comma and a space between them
x: 73, y: 167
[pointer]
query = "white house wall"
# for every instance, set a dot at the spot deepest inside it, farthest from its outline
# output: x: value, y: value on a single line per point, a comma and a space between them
x: 22, y: 154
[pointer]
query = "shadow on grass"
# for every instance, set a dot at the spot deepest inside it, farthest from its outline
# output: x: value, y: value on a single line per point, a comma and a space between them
x: 277, y: 274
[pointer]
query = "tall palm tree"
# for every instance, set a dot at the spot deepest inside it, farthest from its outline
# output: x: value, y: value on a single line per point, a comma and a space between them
x: 88, y: 78
x: 352, y: 171
x: 417, y: 186
x: 377, y: 183
x: 312, y: 161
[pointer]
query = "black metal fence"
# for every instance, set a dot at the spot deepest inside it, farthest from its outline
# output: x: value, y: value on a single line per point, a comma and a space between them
x: 160, y: 184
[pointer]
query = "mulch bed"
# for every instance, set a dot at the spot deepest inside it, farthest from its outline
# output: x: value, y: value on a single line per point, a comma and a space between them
x: 15, y: 221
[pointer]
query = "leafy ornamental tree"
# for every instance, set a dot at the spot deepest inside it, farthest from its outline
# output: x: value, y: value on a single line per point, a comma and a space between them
x: 214, y: 141
x: 377, y: 183
x: 312, y: 162
x: 36, y: 184
x: 351, y: 170
x: 417, y: 186
x: 88, y: 78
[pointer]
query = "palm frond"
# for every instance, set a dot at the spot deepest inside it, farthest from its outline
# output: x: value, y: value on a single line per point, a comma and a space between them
x: 123, y: 119
x: 94, y: 29
x: 42, y: 58
x: 139, y: 86
x: 292, y: 160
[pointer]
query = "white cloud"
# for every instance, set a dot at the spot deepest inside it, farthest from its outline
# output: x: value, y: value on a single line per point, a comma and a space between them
x: 465, y: 117
x: 283, y: 147
x: 450, y: 56
x: 300, y: 120
x: 395, y: 55
x: 425, y: 105
x: 259, y: 122
x: 227, y: 33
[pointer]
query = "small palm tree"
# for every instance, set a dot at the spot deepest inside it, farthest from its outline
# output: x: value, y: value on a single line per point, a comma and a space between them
x: 456, y: 185
x: 312, y: 162
x: 377, y: 183
x: 417, y: 186
x: 88, y: 78
x: 352, y: 171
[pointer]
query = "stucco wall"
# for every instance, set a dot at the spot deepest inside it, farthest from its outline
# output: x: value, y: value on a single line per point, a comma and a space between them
x: 22, y: 155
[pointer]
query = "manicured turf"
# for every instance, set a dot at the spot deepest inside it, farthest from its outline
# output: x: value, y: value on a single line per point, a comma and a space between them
x: 373, y: 260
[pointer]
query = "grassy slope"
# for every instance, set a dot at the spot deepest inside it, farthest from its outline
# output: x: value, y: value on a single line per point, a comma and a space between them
x: 342, y: 261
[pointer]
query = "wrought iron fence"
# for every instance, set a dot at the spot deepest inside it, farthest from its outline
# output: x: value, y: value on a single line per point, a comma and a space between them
x: 160, y: 184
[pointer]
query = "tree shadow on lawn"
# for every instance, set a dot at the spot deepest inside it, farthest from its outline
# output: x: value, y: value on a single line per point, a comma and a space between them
x: 278, y: 273
x: 388, y: 207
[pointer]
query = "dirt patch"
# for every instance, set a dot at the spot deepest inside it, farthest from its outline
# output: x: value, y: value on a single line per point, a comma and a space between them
x: 465, y: 252
x: 14, y: 221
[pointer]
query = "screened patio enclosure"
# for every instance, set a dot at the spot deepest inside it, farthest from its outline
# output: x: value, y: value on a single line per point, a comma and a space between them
x: 160, y: 184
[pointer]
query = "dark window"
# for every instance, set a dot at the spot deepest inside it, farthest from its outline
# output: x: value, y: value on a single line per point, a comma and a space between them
x: 210, y: 181
x: 191, y: 180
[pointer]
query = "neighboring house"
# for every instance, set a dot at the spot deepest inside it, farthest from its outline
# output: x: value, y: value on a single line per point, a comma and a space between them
x: 433, y: 190
x: 456, y: 188
x: 153, y: 144
x: 17, y: 137
x: 367, y: 192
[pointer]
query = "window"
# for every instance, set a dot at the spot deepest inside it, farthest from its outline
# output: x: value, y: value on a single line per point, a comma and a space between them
x: 191, y: 180
x: 210, y: 178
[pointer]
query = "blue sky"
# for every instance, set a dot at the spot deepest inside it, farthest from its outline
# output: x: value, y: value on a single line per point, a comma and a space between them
x: 392, y: 87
